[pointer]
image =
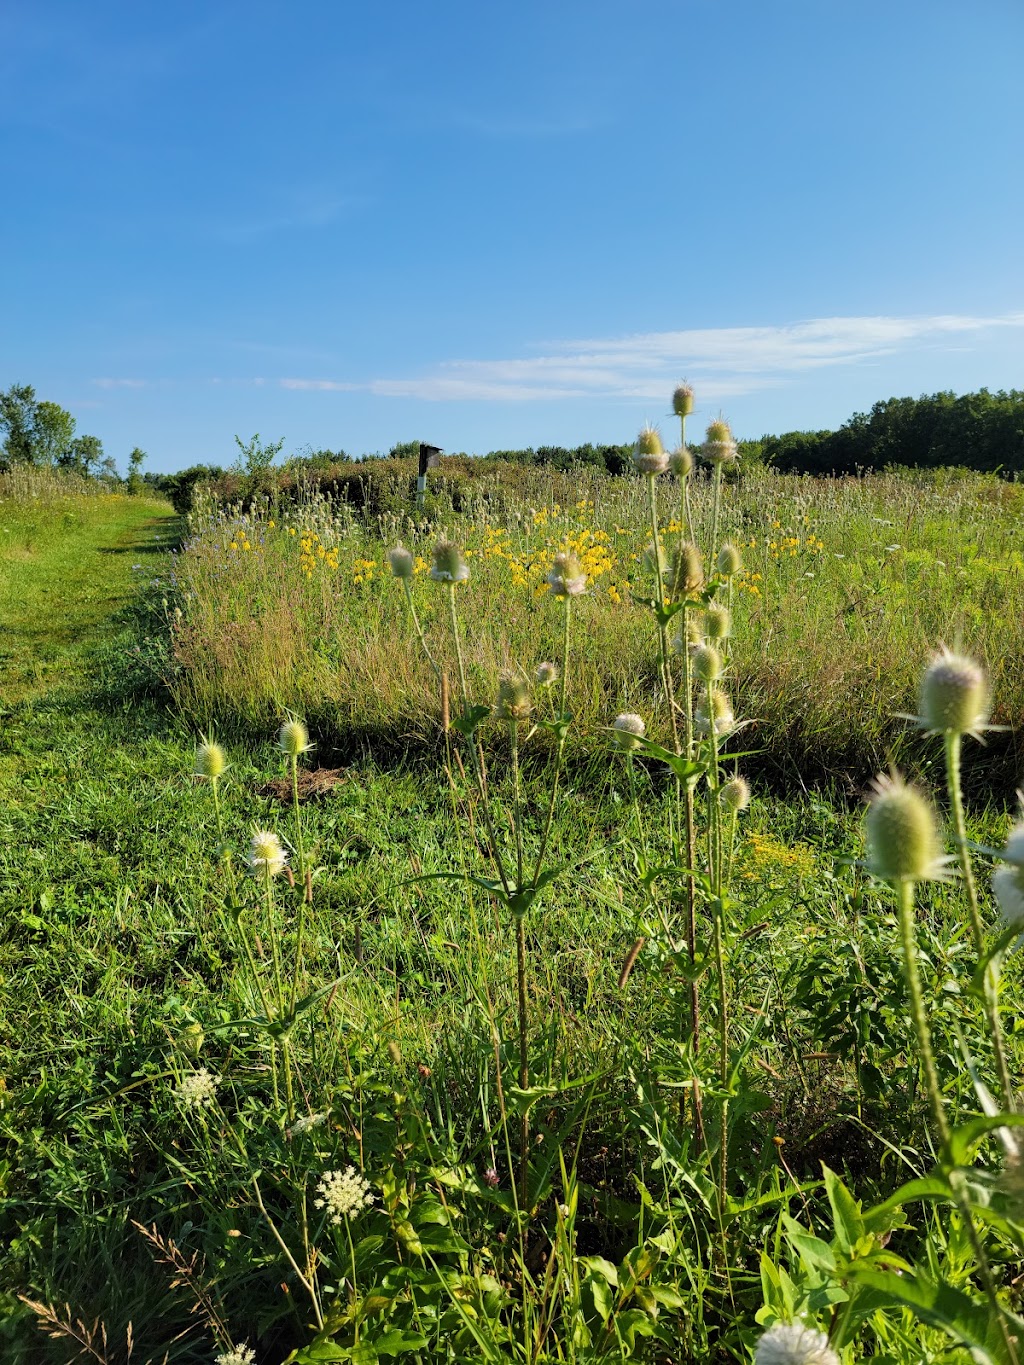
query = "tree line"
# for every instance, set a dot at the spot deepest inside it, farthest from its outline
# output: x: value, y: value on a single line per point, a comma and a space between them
x: 38, y: 432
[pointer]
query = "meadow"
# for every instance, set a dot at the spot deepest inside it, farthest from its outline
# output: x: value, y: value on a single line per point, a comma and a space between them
x: 399, y: 964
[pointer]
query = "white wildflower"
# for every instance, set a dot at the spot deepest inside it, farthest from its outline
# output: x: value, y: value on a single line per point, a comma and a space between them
x: 793, y: 1344
x: 305, y: 1123
x: 238, y: 1355
x: 344, y: 1194
x: 628, y: 730
x: 266, y: 856
x: 197, y: 1090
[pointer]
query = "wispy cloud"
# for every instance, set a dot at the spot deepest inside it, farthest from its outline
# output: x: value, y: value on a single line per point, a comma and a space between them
x: 726, y: 361
x: 121, y: 383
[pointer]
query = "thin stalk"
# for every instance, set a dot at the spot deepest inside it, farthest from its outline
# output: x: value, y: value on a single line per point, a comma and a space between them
x: 419, y: 629
x: 715, y: 868
x: 524, y: 1064
x: 564, y: 717
x: 303, y: 877
x: 953, y: 742
x: 684, y: 487
x: 713, y: 548
x: 458, y: 643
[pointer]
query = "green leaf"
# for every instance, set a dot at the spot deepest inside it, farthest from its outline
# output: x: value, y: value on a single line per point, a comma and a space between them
x: 396, y: 1342
x: 469, y: 722
x: 846, y: 1214
x: 598, y: 1265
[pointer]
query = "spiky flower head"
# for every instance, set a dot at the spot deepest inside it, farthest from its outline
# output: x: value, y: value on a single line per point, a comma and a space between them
x: 1014, y: 850
x: 649, y: 456
x: 714, y: 708
x: 794, y: 1344
x: 1008, y: 889
x: 735, y: 794
x: 546, y: 674
x: 682, y: 399
x: 449, y: 565
x: 707, y: 663
x: 719, y: 445
x: 211, y: 760
x: 567, y: 577
x: 902, y: 840
x: 680, y: 462
x: 266, y: 856
x: 954, y: 695
x: 238, y: 1355
x: 514, y: 700
x: 402, y: 563
x: 191, y: 1039
x: 717, y: 622
x: 655, y: 560
x: 627, y: 730
x: 687, y: 575
x: 730, y: 561
x: 692, y: 637
x: 293, y: 738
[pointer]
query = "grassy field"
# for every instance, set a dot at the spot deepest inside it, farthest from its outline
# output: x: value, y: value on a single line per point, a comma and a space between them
x: 171, y: 1101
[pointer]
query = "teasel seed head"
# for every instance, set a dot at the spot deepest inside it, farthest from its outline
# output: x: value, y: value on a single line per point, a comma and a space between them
x: 293, y: 738
x: 680, y: 462
x: 514, y: 700
x: 693, y: 635
x: 402, y: 563
x: 730, y: 561
x: 687, y: 576
x: 266, y: 856
x: 707, y: 663
x: 567, y: 577
x: 954, y: 695
x: 902, y: 839
x: 794, y: 1344
x: 714, y: 708
x: 627, y: 730
x: 717, y: 622
x: 735, y: 794
x: 1008, y: 889
x: 649, y: 456
x: 211, y: 760
x: 719, y: 445
x: 682, y: 399
x: 546, y: 674
x: 449, y: 565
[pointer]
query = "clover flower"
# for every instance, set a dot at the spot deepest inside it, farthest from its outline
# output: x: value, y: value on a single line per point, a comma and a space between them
x: 238, y: 1355
x: 794, y: 1344
x: 403, y: 563
x: 954, y: 695
x: 343, y: 1194
x: 197, y: 1089
x: 266, y: 855
x: 902, y: 840
x: 567, y: 577
x: 649, y: 456
x: 211, y: 760
x: 449, y: 565
x: 628, y: 730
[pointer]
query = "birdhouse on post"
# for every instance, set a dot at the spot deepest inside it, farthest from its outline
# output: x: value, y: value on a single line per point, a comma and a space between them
x: 429, y: 458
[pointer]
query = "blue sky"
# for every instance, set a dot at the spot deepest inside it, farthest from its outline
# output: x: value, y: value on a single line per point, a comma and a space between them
x: 498, y: 225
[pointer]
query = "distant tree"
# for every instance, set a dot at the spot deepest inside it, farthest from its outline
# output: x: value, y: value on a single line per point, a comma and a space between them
x: 135, y: 462
x: 17, y: 422
x: 53, y: 433
x: 255, y: 457
x: 84, y: 455
x: 405, y: 450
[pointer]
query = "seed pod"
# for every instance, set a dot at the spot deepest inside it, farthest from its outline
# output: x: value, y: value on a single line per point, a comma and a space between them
x: 449, y: 565
x: 902, y: 841
x: 293, y: 738
x: 729, y: 560
x: 682, y: 400
x: 954, y: 695
x: 546, y: 674
x: 402, y: 563
x: 211, y: 760
x: 680, y: 462
x: 707, y: 663
x: 719, y: 446
x: 714, y: 708
x: 649, y: 456
x: 266, y: 856
x: 514, y: 700
x: 717, y: 622
x: 687, y: 576
x: 628, y: 729
x: 567, y: 577
x: 735, y: 794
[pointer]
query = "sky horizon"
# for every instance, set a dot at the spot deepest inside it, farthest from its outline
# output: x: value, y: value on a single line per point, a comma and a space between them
x: 352, y: 226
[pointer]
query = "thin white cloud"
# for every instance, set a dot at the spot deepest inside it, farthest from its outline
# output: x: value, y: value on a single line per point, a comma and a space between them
x: 121, y: 383
x: 726, y: 362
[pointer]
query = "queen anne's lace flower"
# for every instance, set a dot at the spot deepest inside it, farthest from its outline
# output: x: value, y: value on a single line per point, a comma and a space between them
x: 197, y: 1090
x: 793, y: 1344
x: 344, y: 1194
x: 238, y: 1355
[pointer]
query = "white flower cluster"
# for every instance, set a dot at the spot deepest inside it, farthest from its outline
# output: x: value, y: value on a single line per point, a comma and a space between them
x: 344, y: 1194
x: 197, y: 1090
x: 238, y: 1355
x: 794, y: 1344
x: 305, y: 1123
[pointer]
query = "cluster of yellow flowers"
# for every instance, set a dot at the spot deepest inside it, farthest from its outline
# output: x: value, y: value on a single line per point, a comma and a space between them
x: 312, y: 551
x: 765, y: 852
x: 749, y: 583
x: 792, y: 546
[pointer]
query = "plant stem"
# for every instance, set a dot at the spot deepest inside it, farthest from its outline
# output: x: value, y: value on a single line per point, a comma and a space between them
x: 905, y: 894
x: 524, y: 1064
x: 953, y: 742
x: 713, y: 548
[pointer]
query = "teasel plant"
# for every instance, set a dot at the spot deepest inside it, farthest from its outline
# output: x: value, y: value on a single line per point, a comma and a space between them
x: 519, y: 876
